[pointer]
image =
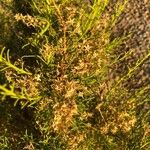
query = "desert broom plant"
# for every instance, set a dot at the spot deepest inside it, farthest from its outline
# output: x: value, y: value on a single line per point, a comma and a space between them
x: 6, y: 64
x: 11, y: 91
x: 86, y: 73
x: 77, y: 106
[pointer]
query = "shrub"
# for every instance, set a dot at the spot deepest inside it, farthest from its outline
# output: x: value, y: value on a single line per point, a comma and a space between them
x: 63, y: 73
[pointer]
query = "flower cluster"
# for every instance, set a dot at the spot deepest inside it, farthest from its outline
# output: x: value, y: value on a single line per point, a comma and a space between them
x: 30, y: 21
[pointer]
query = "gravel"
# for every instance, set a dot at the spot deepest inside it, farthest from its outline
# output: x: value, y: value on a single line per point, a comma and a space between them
x: 135, y: 20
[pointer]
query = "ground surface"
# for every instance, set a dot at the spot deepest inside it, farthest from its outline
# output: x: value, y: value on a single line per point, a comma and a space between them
x: 136, y: 20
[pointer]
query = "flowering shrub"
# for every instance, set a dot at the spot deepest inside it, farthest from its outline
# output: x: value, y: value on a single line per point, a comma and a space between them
x: 63, y: 73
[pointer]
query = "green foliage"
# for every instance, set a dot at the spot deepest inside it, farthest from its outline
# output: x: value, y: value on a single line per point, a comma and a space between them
x: 6, y: 64
x: 4, y: 142
x: 75, y: 104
